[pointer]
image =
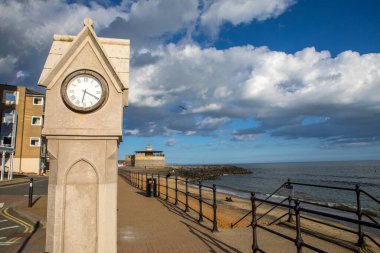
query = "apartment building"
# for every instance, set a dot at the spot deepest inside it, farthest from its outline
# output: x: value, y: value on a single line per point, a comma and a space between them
x: 21, y: 144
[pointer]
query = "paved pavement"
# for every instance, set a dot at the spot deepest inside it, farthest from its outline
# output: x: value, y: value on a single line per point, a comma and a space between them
x: 152, y: 225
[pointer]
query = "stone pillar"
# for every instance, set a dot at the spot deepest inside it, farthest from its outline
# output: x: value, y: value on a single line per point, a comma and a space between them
x: 82, y: 195
x: 86, y: 89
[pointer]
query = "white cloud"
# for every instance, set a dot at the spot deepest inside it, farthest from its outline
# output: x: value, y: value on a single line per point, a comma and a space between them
x: 243, y: 137
x: 205, y: 108
x: 273, y: 87
x: 212, y: 123
x: 309, y: 78
x: 241, y: 11
x: 21, y: 74
x: 171, y: 142
x: 34, y: 22
x: 132, y: 132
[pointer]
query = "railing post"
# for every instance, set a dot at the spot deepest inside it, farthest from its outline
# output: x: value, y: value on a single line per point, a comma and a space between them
x: 359, y: 214
x: 166, y: 186
x: 299, y: 240
x: 146, y: 180
x: 255, y: 246
x: 214, y: 206
x: 158, y: 183
x: 176, y: 191
x: 30, y: 202
x: 290, y: 217
x: 200, y: 202
x: 187, y: 195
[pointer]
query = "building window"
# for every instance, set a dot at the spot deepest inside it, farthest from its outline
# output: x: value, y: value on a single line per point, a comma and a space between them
x: 10, y: 97
x: 38, y: 100
x: 8, y: 116
x: 7, y: 141
x: 35, y: 141
x: 36, y: 120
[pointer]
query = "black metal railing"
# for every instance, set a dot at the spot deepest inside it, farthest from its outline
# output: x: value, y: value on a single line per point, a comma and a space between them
x: 295, y: 208
x: 139, y: 179
x: 293, y: 205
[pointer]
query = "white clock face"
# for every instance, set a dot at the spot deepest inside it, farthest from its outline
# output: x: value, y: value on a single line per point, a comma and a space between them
x: 84, y: 91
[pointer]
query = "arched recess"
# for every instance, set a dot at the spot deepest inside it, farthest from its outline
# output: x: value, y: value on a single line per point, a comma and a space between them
x: 81, y: 208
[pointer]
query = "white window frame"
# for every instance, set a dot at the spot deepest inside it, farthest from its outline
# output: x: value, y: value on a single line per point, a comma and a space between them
x: 36, y: 124
x: 5, y: 101
x: 35, y: 138
x: 42, y: 100
x: 8, y: 115
x: 2, y: 140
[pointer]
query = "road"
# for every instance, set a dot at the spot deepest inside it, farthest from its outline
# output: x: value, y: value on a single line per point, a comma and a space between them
x: 14, y: 228
x: 40, y: 187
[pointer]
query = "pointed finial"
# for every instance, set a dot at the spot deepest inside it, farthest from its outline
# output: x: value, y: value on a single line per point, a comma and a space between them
x: 88, y: 22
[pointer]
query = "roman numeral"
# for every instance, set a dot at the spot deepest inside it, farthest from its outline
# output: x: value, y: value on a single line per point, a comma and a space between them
x: 72, y: 97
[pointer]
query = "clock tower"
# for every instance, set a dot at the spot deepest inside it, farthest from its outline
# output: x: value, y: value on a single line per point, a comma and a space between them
x: 86, y: 81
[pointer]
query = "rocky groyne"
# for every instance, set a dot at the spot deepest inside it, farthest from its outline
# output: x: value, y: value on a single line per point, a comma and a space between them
x: 207, y: 172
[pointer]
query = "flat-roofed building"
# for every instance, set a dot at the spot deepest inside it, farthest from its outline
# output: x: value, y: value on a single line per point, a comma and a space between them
x: 21, y: 124
x: 146, y: 158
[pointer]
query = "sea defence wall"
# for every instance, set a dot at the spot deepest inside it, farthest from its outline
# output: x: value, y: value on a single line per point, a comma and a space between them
x: 152, y: 161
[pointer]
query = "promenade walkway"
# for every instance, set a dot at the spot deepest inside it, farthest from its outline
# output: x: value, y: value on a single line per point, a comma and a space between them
x: 149, y: 225
x: 154, y: 226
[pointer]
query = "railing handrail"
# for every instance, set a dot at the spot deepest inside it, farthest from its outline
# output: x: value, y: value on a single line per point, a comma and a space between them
x: 321, y: 186
x: 370, y: 196
x: 329, y: 215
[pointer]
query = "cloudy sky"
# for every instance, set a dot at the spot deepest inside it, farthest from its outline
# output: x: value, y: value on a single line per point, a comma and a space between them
x: 226, y: 81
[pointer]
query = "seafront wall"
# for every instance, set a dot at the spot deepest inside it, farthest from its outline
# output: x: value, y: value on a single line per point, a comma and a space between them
x: 149, y: 162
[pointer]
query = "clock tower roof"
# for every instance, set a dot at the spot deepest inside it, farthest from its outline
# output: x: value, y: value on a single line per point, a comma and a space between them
x: 115, y: 54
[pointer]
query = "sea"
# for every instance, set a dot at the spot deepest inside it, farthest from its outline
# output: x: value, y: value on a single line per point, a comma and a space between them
x: 267, y: 177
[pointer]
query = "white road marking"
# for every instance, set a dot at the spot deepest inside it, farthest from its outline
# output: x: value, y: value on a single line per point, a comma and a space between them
x: 3, y: 220
x: 2, y: 238
x: 9, y: 227
x: 2, y: 204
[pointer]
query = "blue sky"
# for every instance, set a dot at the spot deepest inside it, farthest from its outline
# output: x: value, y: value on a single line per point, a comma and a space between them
x: 226, y: 81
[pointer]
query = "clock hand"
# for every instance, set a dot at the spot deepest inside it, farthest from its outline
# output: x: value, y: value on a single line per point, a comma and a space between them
x: 92, y: 95
x: 84, y: 93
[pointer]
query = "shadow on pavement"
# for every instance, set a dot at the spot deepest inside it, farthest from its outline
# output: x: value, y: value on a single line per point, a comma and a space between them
x: 210, y: 241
